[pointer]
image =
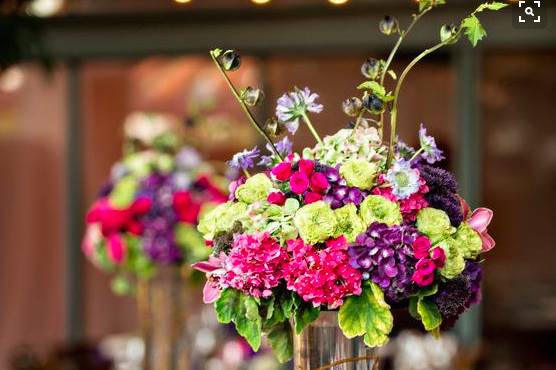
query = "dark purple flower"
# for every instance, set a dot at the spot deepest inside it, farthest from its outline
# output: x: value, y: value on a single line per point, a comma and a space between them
x: 355, y: 196
x: 442, y: 192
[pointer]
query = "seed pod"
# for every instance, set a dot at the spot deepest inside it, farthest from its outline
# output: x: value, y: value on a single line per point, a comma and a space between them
x: 252, y: 96
x: 230, y: 60
x: 388, y: 25
x: 447, y: 31
x: 373, y: 103
x: 371, y: 68
x: 352, y: 106
x: 273, y: 128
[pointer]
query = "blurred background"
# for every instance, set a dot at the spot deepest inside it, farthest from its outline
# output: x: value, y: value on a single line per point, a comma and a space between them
x: 72, y: 71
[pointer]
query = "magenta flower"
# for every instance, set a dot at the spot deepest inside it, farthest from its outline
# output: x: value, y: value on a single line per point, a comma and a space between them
x: 421, y: 247
x: 299, y: 182
x: 319, y: 183
x: 282, y: 171
x: 276, y: 197
x: 214, y: 270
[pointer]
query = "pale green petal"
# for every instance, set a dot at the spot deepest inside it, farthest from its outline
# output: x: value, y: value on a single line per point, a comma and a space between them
x: 221, y: 218
x: 455, y: 263
x: 255, y: 189
x: 349, y: 223
x: 359, y: 173
x: 376, y: 208
x: 468, y: 241
x: 434, y: 223
x: 316, y: 222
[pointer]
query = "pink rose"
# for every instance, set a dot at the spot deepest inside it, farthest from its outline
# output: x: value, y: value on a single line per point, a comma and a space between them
x: 276, y: 197
x: 438, y: 256
x: 299, y: 182
x: 306, y: 166
x: 421, y: 247
x: 282, y: 171
x: 422, y: 279
x: 319, y: 183
x: 312, y: 197
x: 425, y: 265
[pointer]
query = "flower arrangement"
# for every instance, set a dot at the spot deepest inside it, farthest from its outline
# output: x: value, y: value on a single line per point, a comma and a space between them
x: 356, y: 223
x: 147, y: 213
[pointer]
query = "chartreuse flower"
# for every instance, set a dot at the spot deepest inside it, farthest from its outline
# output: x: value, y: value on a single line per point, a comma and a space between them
x: 221, y: 218
x: 349, y: 223
x: 376, y: 208
x: 359, y: 173
x: 455, y: 263
x: 468, y: 241
x: 255, y: 189
x: 434, y: 223
x: 191, y: 241
x: 316, y: 222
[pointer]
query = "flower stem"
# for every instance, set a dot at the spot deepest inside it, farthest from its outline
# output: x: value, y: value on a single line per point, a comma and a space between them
x: 246, y: 110
x: 416, y: 154
x: 246, y: 173
x: 311, y: 128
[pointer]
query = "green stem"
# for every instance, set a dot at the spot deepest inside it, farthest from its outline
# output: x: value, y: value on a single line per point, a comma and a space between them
x: 248, y: 113
x: 246, y: 173
x: 311, y: 128
x: 394, y: 112
x: 416, y: 154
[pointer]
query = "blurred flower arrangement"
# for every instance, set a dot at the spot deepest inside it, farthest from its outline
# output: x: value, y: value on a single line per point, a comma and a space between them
x: 147, y: 212
x: 356, y: 223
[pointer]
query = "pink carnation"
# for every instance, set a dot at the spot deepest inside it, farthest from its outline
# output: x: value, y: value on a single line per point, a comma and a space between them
x: 421, y: 247
x: 255, y: 264
x: 311, y: 197
x: 282, y: 171
x: 299, y: 182
x: 276, y: 197
x: 306, y: 166
x: 319, y: 183
x: 322, y: 276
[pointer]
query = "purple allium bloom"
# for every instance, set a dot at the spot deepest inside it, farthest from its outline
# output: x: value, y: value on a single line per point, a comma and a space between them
x: 431, y: 153
x: 284, y: 147
x: 158, y: 236
x: 293, y: 105
x: 403, y: 178
x: 449, y: 203
x: 245, y: 159
x: 385, y: 256
x: 443, y: 188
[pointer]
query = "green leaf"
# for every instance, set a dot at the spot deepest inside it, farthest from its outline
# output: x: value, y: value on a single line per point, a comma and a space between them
x: 123, y: 193
x: 280, y: 339
x: 424, y: 4
x: 368, y: 315
x: 413, y: 308
x: 287, y: 303
x: 430, y: 316
x: 495, y: 5
x: 216, y: 52
x: 373, y: 86
x: 249, y: 322
x: 473, y: 29
x: 304, y: 314
x: 226, y: 305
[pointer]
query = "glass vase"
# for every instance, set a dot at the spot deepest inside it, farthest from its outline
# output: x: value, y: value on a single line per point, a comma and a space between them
x: 163, y: 308
x: 323, y: 346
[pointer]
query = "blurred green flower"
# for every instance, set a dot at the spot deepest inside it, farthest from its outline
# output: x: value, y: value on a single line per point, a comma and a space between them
x: 221, y: 218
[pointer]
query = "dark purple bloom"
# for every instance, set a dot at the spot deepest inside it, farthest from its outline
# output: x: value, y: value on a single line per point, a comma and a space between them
x: 443, y: 188
x: 355, y: 196
x: 384, y: 255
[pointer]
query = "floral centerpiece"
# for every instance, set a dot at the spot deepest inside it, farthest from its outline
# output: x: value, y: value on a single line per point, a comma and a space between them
x: 357, y: 223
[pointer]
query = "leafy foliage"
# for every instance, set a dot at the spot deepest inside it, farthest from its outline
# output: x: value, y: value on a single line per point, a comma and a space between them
x: 422, y: 308
x: 280, y: 339
x: 473, y: 29
x: 424, y: 4
x: 304, y: 314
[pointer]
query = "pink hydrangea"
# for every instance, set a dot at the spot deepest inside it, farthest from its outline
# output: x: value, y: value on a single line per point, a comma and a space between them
x: 409, y: 206
x: 322, y: 276
x: 255, y: 264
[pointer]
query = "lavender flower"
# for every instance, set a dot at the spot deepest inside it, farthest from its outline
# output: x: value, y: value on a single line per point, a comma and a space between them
x: 431, y: 153
x: 284, y: 147
x: 385, y: 256
x: 293, y: 105
x: 245, y: 159
x: 403, y: 178
x: 404, y: 150
x: 188, y: 159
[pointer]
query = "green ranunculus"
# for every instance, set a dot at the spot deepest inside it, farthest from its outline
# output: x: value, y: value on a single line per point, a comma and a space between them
x: 455, y: 263
x: 124, y: 191
x: 468, y: 241
x: 434, y: 223
x: 359, y: 173
x: 349, y: 223
x: 221, y: 218
x: 255, y: 189
x: 316, y: 222
x: 376, y: 208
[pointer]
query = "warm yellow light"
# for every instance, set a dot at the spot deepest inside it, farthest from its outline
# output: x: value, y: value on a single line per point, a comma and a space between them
x: 338, y: 2
x: 182, y: 1
x: 260, y: 2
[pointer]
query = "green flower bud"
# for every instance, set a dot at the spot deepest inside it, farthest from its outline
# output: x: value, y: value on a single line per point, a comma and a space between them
x: 251, y: 96
x: 388, y: 25
x: 447, y: 31
x: 434, y: 223
x: 373, y: 103
x: 273, y: 128
x: 352, y: 106
x: 221, y: 218
x: 316, y: 222
x: 455, y: 263
x: 468, y: 241
x: 229, y: 60
x: 376, y: 208
x: 371, y: 68
x: 359, y: 173
x: 349, y: 223
x: 255, y: 189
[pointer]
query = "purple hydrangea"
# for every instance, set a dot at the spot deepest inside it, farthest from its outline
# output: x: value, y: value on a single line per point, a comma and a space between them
x: 158, y: 236
x: 293, y: 105
x: 384, y: 255
x: 244, y: 160
x: 339, y: 194
x: 431, y: 153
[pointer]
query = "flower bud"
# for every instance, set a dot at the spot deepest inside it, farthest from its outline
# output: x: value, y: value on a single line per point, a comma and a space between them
x: 230, y: 60
x: 447, y: 31
x: 273, y: 128
x: 352, y: 106
x: 252, y: 96
x: 373, y: 103
x: 371, y: 68
x: 388, y: 25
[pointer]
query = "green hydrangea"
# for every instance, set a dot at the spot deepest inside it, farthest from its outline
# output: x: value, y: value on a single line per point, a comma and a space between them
x: 349, y: 223
x: 124, y: 191
x: 434, y: 223
x: 455, y: 263
x: 189, y: 239
x: 359, y: 173
x: 376, y: 208
x: 468, y: 241
x: 221, y: 218
x: 255, y: 189
x: 316, y: 222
